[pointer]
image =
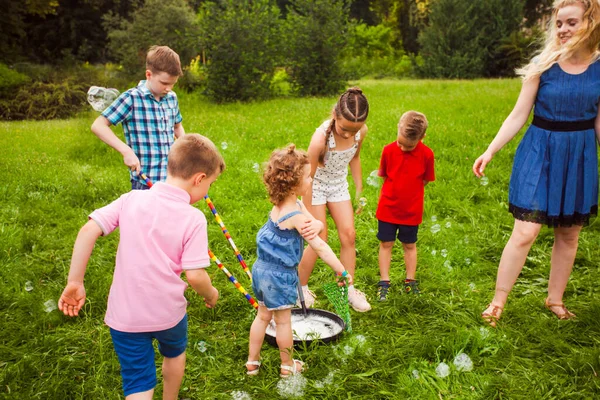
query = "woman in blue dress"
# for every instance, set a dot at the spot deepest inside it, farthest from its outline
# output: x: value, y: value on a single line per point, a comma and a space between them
x: 554, y: 180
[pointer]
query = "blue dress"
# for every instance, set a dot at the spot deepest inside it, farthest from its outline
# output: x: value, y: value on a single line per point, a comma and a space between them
x: 274, y: 274
x: 554, y: 179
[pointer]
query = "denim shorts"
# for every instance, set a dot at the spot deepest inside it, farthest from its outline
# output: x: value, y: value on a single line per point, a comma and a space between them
x: 136, y: 354
x: 275, y: 287
x: 387, y: 232
x: 137, y: 185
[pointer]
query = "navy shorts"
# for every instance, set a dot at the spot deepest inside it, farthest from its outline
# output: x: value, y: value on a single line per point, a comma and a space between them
x: 136, y: 354
x: 137, y: 185
x: 387, y: 232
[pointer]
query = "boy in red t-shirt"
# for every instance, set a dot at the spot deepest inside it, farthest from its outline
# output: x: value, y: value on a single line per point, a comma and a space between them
x: 406, y: 167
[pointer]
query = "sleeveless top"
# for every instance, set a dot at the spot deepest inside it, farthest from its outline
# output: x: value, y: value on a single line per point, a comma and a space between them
x: 335, y: 168
x: 279, y: 247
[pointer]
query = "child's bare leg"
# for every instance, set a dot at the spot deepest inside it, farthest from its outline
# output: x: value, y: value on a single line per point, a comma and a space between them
x: 385, y: 260
x: 285, y: 337
x: 309, y: 258
x: 173, y: 369
x: 564, y: 250
x: 513, y: 258
x: 257, y: 334
x: 343, y: 215
x: 410, y: 259
x: 147, y: 395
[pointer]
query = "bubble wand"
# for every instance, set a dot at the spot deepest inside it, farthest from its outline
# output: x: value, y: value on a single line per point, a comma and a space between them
x: 232, y: 279
x: 228, y: 236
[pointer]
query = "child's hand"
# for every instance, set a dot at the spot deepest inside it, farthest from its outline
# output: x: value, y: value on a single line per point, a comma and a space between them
x: 211, y: 301
x: 481, y: 163
x: 132, y: 161
x: 345, y: 280
x: 72, y: 299
x: 311, y: 229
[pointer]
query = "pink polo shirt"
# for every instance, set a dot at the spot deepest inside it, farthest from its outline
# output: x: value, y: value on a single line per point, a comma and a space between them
x: 161, y: 235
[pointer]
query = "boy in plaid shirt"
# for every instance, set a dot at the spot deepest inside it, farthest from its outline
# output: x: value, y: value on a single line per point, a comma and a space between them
x: 150, y: 117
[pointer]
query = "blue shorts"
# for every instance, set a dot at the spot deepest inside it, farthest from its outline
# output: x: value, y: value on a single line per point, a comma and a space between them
x: 274, y: 286
x: 136, y: 354
x: 137, y: 185
x: 387, y: 232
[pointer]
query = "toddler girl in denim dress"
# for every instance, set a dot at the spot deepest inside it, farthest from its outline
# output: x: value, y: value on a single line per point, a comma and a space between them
x: 280, y: 244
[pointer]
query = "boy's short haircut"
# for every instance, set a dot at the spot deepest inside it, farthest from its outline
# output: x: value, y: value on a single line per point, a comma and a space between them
x: 163, y: 59
x: 193, y: 153
x: 413, y: 125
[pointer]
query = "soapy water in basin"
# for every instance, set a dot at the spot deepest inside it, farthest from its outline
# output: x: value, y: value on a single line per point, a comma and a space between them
x: 311, y: 327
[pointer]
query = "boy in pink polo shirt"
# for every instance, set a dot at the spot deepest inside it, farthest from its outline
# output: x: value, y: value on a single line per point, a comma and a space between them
x: 161, y: 236
x: 406, y: 167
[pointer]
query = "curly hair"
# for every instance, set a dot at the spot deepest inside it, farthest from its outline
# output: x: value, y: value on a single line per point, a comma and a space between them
x: 283, y: 173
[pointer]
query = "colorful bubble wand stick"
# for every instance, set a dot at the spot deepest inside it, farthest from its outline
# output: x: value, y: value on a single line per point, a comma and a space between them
x: 232, y: 279
x: 228, y: 236
x: 145, y: 178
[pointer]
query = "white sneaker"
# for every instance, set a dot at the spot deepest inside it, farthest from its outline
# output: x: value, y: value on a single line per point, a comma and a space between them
x: 309, y: 298
x: 358, y: 300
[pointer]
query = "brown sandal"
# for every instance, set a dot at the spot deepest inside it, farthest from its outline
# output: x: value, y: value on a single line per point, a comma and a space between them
x: 491, y: 318
x: 566, y: 314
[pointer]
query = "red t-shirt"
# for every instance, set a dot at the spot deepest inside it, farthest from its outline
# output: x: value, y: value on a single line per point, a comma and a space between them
x: 404, y: 173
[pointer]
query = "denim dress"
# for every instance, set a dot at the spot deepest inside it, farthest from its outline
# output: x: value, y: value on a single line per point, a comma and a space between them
x: 274, y: 274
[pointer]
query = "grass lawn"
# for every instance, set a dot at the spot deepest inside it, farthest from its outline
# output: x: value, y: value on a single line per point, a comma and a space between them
x: 57, y: 172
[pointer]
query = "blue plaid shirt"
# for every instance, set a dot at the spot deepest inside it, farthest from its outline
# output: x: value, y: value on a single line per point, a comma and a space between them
x: 149, y: 127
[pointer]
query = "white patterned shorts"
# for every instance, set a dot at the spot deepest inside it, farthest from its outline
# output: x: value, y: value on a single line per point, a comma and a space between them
x: 327, y: 192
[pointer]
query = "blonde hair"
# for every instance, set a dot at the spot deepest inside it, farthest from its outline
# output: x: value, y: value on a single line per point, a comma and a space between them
x: 163, y: 59
x: 413, y: 125
x: 194, y: 153
x: 587, y: 37
x: 284, y: 171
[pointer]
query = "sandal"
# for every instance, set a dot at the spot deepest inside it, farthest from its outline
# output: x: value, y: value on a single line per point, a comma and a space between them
x: 292, y: 370
x: 255, y: 370
x: 566, y: 314
x: 491, y: 318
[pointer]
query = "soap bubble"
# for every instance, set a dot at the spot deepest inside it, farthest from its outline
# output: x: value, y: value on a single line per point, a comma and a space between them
x: 255, y: 167
x: 292, y: 386
x: 201, y: 346
x: 224, y: 145
x: 374, y: 179
x: 100, y: 97
x: 442, y: 370
x: 448, y: 265
x: 433, y: 252
x: 433, y: 218
x: 239, y: 395
x: 362, y: 201
x: 448, y: 224
x: 328, y: 380
x: 463, y: 362
x: 472, y: 286
x: 50, y: 306
x: 28, y: 286
x: 468, y: 261
x: 444, y: 253
x: 415, y: 374
x: 484, y: 181
x: 435, y: 228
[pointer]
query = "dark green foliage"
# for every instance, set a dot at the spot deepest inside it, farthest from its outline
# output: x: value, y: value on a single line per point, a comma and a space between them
x: 463, y: 35
x: 316, y: 33
x: 242, y: 43
x: 44, y: 101
x: 10, y: 80
x: 158, y: 22
x: 517, y: 49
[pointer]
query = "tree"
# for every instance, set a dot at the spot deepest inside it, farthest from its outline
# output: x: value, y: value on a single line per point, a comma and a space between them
x: 316, y: 32
x: 242, y: 43
x: 158, y: 22
x: 462, y: 38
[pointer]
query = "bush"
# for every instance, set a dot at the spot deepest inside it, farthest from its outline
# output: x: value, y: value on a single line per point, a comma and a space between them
x: 44, y: 101
x: 457, y: 45
x: 242, y: 41
x: 194, y: 76
x: 158, y: 22
x: 316, y: 33
x: 10, y: 80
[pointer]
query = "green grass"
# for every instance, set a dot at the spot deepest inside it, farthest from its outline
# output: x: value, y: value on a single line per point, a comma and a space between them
x: 56, y: 172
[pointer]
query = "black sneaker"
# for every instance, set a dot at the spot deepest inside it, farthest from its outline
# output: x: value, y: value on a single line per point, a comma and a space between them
x: 382, y: 290
x: 411, y: 286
